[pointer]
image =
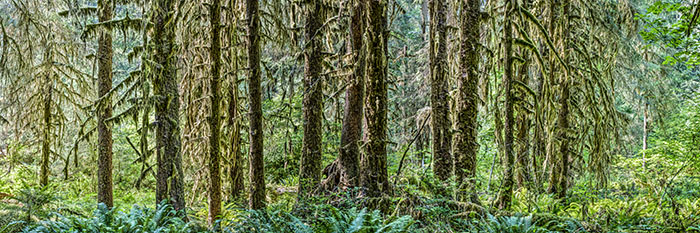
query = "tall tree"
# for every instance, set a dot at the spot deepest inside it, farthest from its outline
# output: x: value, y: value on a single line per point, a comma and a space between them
x: 465, y: 137
x: 214, y: 116
x: 45, y: 142
x: 104, y: 86
x: 563, y: 116
x: 374, y: 163
x: 523, y: 174
x: 442, y: 159
x: 560, y: 168
x: 255, y: 153
x: 169, y: 178
x: 310, y: 170
x: 234, y: 122
x: 506, y: 193
x: 354, y: 94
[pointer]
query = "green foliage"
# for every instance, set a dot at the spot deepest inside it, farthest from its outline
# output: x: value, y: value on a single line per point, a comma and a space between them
x: 139, y: 219
x: 670, y: 23
x: 322, y: 219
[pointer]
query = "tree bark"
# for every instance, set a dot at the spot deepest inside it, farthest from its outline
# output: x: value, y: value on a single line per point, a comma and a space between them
x: 104, y: 112
x: 506, y: 193
x: 351, y: 133
x: 255, y: 152
x: 466, y: 130
x: 169, y: 184
x: 311, y: 156
x: 235, y: 159
x: 559, y: 177
x: 374, y: 163
x: 442, y: 159
x: 45, y: 142
x: 214, y: 116
x: 523, y: 174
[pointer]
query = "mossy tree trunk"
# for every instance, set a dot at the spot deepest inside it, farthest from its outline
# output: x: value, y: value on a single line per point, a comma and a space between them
x: 351, y: 133
x: 374, y: 163
x: 46, y: 141
x: 506, y: 193
x: 523, y: 174
x: 466, y: 130
x: 214, y: 115
x: 439, y: 94
x: 255, y: 152
x: 169, y: 178
x: 104, y: 112
x: 312, y: 147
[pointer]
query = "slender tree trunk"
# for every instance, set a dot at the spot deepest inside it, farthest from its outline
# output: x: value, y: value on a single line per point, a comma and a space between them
x: 45, y: 142
x: 563, y: 127
x: 169, y: 180
x: 374, y: 164
x: 465, y: 137
x: 644, y: 135
x: 255, y: 153
x: 442, y: 159
x: 104, y: 129
x: 215, y: 116
x: 351, y: 134
x: 146, y: 110
x: 505, y: 197
x: 236, y: 166
x: 311, y: 156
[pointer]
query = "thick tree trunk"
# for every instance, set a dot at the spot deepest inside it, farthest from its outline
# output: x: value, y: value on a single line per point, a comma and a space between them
x: 255, y: 152
x: 506, y: 193
x: 439, y: 95
x: 351, y: 134
x: 523, y: 174
x: 374, y: 163
x: 214, y: 116
x: 553, y: 161
x: 310, y: 170
x: 465, y: 137
x: 104, y: 112
x: 559, y: 178
x: 169, y: 180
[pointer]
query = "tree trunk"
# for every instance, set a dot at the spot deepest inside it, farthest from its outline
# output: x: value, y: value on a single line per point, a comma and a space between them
x: 236, y: 162
x: 104, y: 112
x: 442, y: 159
x: 255, y: 153
x: 312, y: 147
x: 466, y: 130
x: 169, y: 185
x: 506, y: 193
x: 554, y: 165
x: 214, y: 116
x: 644, y: 135
x: 374, y: 163
x: 523, y: 174
x: 351, y: 134
x: 559, y: 177
x: 45, y: 142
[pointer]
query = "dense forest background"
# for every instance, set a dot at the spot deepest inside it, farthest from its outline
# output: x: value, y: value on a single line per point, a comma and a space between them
x: 349, y: 115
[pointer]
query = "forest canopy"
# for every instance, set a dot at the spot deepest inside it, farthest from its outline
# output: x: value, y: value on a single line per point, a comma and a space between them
x: 349, y: 116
